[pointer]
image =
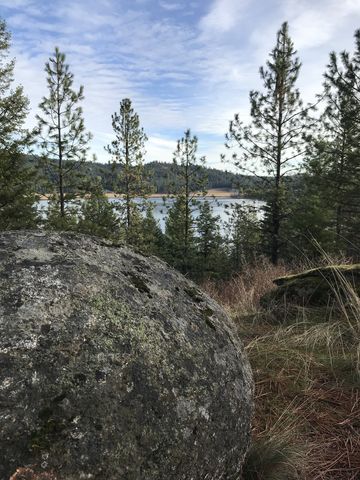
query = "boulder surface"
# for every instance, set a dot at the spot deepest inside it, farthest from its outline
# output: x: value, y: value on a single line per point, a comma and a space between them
x: 114, y: 366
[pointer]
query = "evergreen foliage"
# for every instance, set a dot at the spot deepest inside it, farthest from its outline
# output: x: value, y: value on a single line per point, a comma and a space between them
x: 162, y: 177
x: 97, y: 216
x: 18, y: 208
x: 244, y: 235
x: 190, y: 183
x: 63, y: 139
x: 328, y: 209
x: 272, y: 145
x: 338, y: 149
x: 308, y: 225
x: 127, y: 150
x: 151, y: 239
x: 211, y: 261
x: 179, y: 236
x: 17, y: 182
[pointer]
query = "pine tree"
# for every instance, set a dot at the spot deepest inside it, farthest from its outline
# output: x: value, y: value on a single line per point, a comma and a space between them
x: 128, y: 153
x: 336, y: 151
x: 151, y: 238
x: 17, y: 183
x: 274, y: 143
x: 189, y: 184
x: 244, y: 234
x: 97, y: 215
x: 179, y: 238
x: 210, y: 254
x: 64, y: 139
x: 310, y: 223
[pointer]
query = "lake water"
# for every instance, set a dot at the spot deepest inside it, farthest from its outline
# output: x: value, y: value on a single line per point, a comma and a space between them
x: 222, y: 207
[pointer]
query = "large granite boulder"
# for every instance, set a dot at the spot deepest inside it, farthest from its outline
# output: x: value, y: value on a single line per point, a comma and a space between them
x: 114, y: 366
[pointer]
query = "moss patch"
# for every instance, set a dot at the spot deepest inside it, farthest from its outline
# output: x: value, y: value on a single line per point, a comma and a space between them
x: 194, y: 294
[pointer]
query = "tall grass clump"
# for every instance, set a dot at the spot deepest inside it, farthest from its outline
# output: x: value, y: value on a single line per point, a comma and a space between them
x: 277, y: 452
x: 339, y: 335
x: 242, y: 293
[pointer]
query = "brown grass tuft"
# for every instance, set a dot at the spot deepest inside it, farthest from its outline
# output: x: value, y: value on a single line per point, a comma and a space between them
x: 242, y: 293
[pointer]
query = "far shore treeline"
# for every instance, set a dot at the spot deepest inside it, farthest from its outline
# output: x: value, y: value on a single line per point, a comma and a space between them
x: 163, y: 175
x: 302, y: 159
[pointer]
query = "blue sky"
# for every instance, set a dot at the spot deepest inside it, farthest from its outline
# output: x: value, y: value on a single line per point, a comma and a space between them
x: 184, y: 64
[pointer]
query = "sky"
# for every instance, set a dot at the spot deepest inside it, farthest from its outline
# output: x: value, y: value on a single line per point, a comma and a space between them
x: 184, y: 64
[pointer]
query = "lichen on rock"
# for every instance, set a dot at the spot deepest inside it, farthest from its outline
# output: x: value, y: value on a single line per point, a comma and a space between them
x: 113, y: 365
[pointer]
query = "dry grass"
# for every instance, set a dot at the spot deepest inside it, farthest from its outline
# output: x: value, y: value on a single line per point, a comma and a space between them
x: 334, y: 423
x: 307, y: 381
x: 321, y: 400
x: 241, y: 294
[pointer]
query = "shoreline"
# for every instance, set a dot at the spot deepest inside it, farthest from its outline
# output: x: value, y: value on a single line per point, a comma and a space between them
x: 210, y: 193
x: 217, y: 193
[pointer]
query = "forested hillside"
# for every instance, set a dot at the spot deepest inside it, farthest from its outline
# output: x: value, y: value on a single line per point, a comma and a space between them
x: 163, y: 178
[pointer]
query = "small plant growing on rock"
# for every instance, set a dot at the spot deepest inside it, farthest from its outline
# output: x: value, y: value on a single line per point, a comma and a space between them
x: 29, y: 474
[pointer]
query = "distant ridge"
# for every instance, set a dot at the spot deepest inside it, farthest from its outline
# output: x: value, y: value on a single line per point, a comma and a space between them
x: 162, y: 175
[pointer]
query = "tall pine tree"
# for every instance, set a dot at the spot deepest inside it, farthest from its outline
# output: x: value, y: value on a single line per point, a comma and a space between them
x: 338, y: 149
x: 127, y: 150
x: 189, y: 183
x: 327, y: 209
x: 272, y: 145
x: 64, y: 139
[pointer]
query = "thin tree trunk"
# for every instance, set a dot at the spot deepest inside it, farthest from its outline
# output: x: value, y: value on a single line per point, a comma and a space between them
x: 60, y: 152
x: 276, y: 206
x: 187, y: 212
x: 339, y: 209
x: 127, y: 184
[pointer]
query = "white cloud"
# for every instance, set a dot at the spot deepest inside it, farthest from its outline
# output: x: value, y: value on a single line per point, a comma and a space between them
x: 315, y: 24
x: 180, y: 74
x: 223, y: 16
x: 171, y: 6
x: 160, y: 149
x: 15, y: 3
